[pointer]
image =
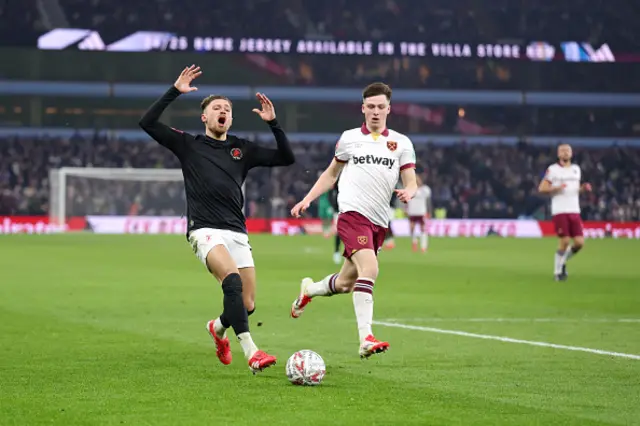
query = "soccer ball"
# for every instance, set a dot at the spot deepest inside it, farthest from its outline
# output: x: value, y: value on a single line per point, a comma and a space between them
x: 305, y: 368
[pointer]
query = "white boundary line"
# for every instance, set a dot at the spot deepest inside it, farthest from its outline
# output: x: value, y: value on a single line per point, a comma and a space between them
x: 507, y: 320
x: 507, y: 339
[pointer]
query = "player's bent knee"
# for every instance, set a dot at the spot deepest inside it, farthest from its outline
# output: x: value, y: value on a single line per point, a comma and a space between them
x: 251, y: 311
x: 369, y: 270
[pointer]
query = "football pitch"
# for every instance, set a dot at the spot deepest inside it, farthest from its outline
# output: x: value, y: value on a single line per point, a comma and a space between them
x: 110, y: 330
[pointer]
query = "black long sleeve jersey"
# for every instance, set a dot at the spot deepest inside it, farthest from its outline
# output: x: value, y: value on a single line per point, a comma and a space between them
x: 214, y: 170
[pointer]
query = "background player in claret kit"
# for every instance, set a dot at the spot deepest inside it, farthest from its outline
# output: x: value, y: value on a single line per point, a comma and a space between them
x: 418, y: 211
x: 389, y: 238
x: 333, y: 199
x: 562, y: 182
x: 369, y: 160
x: 214, y: 166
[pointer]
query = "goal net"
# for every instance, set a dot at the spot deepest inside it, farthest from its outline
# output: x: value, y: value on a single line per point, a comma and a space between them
x: 115, y: 192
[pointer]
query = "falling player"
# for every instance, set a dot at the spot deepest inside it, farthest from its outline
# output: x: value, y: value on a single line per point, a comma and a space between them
x: 369, y: 160
x: 562, y: 183
x: 214, y: 166
x: 418, y: 210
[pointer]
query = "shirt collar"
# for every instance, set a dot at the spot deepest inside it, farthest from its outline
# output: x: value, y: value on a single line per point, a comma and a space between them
x: 366, y: 131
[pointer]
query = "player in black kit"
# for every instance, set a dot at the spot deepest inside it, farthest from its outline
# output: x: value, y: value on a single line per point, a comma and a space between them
x: 214, y: 166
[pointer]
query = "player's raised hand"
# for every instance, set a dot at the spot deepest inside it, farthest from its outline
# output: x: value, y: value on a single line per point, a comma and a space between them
x: 183, y: 83
x: 268, y: 112
x: 299, y: 208
x: 405, y: 195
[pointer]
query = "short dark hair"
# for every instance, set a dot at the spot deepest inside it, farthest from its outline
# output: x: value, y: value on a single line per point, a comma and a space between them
x: 206, y: 101
x: 375, y: 89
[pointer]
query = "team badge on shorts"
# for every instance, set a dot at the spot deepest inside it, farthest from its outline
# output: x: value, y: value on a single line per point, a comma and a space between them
x: 362, y: 240
x: 236, y: 153
x: 392, y: 145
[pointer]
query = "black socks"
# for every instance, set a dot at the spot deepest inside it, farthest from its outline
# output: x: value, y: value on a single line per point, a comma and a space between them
x: 234, y: 313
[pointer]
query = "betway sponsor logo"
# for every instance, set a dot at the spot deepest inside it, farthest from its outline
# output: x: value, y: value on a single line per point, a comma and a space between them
x: 29, y: 225
x: 370, y: 159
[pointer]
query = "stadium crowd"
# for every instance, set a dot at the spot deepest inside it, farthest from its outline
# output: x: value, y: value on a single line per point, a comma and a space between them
x: 468, y: 180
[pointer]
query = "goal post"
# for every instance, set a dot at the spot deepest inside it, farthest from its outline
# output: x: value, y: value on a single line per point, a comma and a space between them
x: 82, y: 191
x: 96, y: 191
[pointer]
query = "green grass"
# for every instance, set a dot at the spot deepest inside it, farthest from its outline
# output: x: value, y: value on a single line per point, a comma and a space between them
x: 109, y: 330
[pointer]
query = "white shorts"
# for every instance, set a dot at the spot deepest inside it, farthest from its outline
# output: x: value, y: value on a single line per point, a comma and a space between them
x: 204, y: 239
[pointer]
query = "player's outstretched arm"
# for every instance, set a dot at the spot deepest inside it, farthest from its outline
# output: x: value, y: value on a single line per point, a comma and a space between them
x: 150, y: 121
x: 267, y: 157
x: 325, y: 182
x: 410, y: 184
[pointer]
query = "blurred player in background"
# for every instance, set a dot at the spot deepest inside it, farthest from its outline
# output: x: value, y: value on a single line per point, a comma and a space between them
x: 215, y: 165
x: 418, y: 211
x: 333, y: 199
x: 562, y: 182
x: 369, y: 160
x: 389, y: 240
x: 325, y: 213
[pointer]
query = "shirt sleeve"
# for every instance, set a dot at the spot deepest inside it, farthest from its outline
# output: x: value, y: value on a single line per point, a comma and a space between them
x: 549, y: 175
x: 166, y: 136
x: 408, y: 156
x: 260, y: 156
x: 342, y: 154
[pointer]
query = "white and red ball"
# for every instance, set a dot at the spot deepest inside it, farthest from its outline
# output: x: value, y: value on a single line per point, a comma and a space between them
x: 305, y: 368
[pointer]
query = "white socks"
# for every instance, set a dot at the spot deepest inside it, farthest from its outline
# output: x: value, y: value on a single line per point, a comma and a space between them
x: 363, y: 305
x: 248, y: 347
x: 219, y: 329
x: 558, y: 262
x: 247, y: 344
x: 326, y: 287
x: 567, y: 254
x: 424, y: 238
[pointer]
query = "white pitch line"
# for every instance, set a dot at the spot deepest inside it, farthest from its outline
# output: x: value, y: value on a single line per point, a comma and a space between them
x: 550, y: 320
x: 507, y: 339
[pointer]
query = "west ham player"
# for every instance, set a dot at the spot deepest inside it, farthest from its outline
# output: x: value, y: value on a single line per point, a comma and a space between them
x: 214, y: 166
x: 369, y: 160
x: 418, y: 210
x: 562, y: 183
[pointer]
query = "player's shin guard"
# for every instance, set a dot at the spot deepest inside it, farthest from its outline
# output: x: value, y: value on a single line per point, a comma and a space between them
x: 234, y: 310
x: 363, y: 306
